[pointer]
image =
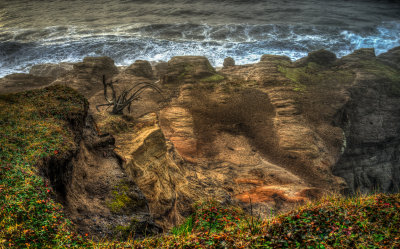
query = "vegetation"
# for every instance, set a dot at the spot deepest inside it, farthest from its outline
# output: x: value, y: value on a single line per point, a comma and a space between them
x: 333, y: 222
x: 314, y: 74
x: 34, y: 125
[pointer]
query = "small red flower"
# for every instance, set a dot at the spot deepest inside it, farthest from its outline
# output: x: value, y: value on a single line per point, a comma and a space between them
x: 48, y: 190
x: 55, y: 152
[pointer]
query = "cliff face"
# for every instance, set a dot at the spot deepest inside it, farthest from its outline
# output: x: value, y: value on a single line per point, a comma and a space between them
x: 275, y: 134
x: 370, y: 120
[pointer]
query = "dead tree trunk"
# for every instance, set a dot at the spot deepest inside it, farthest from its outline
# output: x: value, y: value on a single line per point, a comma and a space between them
x: 126, y: 97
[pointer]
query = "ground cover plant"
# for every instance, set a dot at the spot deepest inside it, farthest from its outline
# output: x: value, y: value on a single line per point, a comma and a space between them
x: 33, y: 127
x: 332, y: 222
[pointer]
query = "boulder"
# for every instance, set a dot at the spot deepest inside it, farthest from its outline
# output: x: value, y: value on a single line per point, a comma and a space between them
x: 229, y: 62
x: 187, y: 69
x: 274, y: 58
x: 321, y: 57
x: 21, y: 81
x: 391, y: 58
x: 140, y: 68
x: 86, y: 76
x: 353, y: 59
x: 95, y: 67
x: 51, y: 70
x: 160, y: 69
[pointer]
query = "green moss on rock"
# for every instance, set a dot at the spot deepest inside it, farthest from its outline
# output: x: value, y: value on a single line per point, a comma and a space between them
x: 124, y: 199
x: 315, y: 74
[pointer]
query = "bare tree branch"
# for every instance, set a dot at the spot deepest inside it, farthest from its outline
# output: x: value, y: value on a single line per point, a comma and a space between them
x: 125, y: 98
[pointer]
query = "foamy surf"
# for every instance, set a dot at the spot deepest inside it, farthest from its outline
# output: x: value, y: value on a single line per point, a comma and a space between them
x: 22, y: 48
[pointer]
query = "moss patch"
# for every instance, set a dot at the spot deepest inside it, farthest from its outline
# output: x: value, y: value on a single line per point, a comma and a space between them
x: 122, y: 201
x: 125, y: 232
x: 314, y: 74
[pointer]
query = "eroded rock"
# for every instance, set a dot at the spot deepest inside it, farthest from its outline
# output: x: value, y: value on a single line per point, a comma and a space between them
x: 51, y: 70
x: 86, y: 76
x: 140, y: 68
x: 229, y: 62
x: 186, y: 69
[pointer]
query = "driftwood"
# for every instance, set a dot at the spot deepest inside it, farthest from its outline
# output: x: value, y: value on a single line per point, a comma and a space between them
x: 125, y: 99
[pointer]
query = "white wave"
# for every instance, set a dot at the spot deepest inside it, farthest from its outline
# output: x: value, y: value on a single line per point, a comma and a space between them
x: 127, y: 43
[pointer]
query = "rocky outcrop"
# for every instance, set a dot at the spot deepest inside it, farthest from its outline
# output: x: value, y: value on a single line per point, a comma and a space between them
x: 20, y: 82
x: 140, y: 68
x: 97, y: 194
x: 100, y: 198
x: 51, y: 70
x: 229, y: 62
x: 186, y: 69
x: 152, y: 163
x: 370, y: 120
x: 160, y: 69
x: 320, y: 57
x: 391, y: 58
x: 86, y: 76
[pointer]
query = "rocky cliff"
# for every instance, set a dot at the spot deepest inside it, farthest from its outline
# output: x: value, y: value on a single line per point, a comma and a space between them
x: 270, y: 135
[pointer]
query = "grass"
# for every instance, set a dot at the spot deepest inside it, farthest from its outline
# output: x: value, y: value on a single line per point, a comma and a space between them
x: 36, y: 125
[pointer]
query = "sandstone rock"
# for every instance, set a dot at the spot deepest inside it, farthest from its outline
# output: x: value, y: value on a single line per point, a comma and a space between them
x: 266, y: 72
x: 160, y: 69
x: 21, y: 82
x: 140, y: 68
x: 354, y: 59
x: 94, y: 67
x: 229, y: 62
x: 272, y: 58
x: 151, y: 162
x: 391, y: 57
x: 86, y: 76
x: 186, y: 69
x: 51, y: 70
x: 321, y: 57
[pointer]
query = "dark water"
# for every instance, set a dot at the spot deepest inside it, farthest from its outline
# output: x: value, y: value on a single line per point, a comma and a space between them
x: 40, y: 31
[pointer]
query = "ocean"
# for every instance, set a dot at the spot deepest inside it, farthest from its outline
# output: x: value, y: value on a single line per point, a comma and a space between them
x: 52, y: 31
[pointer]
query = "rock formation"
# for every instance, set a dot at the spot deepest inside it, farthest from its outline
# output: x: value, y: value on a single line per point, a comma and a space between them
x: 275, y: 133
x: 140, y: 68
x: 229, y: 62
x: 185, y: 69
x: 87, y: 76
x: 370, y: 120
x: 51, y: 70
